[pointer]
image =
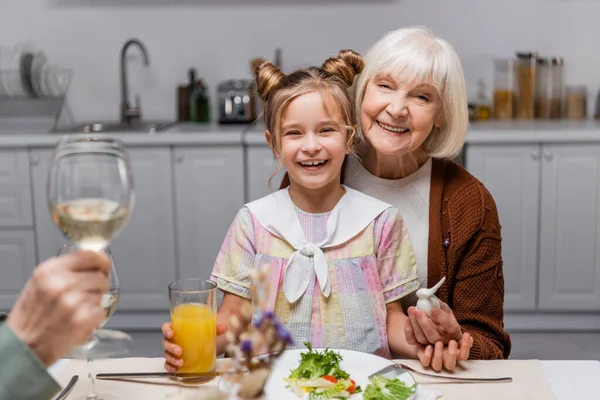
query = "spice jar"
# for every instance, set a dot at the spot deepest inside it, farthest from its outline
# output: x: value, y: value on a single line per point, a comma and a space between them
x: 549, y: 88
x: 504, y: 93
x: 482, y: 108
x: 525, y: 85
x: 576, y: 102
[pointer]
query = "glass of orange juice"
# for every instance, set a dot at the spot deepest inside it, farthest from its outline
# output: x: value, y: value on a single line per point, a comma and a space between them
x: 193, y: 304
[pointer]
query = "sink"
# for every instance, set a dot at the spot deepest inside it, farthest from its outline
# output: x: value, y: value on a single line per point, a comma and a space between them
x: 148, y: 127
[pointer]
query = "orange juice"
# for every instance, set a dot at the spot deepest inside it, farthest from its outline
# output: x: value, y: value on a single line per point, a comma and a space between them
x: 195, y: 327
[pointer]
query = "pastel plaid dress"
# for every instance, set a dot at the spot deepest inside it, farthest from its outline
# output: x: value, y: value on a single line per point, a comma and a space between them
x: 375, y: 267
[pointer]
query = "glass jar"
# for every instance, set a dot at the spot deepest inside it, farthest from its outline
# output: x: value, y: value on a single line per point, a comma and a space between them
x: 504, y: 89
x: 549, y: 88
x: 576, y: 102
x: 525, y: 85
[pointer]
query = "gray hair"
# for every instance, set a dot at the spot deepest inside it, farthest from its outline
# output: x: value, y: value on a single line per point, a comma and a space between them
x: 416, y: 55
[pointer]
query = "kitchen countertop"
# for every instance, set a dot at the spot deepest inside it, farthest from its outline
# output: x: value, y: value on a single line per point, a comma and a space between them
x: 181, y: 134
x: 501, y: 132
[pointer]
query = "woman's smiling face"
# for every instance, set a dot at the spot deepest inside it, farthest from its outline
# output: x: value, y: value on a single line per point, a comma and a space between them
x: 397, y: 116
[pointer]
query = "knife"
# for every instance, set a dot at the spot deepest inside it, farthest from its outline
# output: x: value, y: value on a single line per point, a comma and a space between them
x: 402, y: 369
x: 127, y: 375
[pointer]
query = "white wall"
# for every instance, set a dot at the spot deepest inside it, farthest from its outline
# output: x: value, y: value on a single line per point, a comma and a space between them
x: 218, y: 37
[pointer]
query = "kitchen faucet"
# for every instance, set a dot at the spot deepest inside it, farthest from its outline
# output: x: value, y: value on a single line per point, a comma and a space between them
x: 130, y: 114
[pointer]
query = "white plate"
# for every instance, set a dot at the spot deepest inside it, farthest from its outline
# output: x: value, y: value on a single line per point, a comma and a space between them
x: 358, y: 365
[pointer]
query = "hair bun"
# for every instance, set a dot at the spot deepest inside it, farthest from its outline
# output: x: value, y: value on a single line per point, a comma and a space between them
x: 267, y: 76
x: 345, y: 66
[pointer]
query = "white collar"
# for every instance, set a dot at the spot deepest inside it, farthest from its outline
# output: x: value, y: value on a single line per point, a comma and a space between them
x: 351, y: 215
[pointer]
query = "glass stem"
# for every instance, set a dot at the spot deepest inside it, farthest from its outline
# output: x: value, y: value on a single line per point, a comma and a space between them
x: 93, y: 394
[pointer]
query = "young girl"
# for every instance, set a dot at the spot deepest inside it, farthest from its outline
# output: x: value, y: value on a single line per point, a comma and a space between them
x: 339, y: 260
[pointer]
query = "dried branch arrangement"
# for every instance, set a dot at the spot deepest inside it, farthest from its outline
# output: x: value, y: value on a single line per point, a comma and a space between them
x: 254, y: 346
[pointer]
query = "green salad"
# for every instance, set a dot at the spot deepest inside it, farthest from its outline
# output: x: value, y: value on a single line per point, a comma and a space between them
x: 319, y: 375
x: 383, y: 388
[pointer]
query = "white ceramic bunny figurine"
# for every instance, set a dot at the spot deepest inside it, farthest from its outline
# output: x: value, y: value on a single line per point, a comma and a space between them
x: 427, y: 301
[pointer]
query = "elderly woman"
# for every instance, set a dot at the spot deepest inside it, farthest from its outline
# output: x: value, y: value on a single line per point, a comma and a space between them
x: 412, y: 121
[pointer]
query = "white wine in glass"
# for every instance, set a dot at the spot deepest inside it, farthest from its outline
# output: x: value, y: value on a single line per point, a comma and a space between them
x: 90, y: 223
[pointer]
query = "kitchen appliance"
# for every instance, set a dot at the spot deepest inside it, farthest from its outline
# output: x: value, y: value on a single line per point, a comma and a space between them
x: 236, y: 101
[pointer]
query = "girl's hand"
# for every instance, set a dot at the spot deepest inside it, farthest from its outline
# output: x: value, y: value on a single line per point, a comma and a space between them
x: 439, y: 356
x: 441, y: 327
x: 173, y: 360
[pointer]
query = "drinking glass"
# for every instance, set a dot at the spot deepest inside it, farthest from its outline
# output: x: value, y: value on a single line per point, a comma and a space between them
x: 193, y: 305
x: 90, y: 190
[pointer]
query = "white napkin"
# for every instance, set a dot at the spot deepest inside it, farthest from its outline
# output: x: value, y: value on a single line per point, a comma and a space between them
x: 277, y: 214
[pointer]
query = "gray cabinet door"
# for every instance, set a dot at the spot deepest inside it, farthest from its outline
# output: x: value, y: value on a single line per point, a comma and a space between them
x: 209, y: 187
x: 15, y: 189
x: 17, y: 258
x: 512, y: 175
x: 570, y: 228
x: 144, y: 251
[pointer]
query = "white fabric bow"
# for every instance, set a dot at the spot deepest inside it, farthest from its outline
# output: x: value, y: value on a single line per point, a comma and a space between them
x: 298, y: 271
x: 277, y: 214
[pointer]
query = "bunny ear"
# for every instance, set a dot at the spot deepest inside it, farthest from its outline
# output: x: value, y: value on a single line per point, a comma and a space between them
x: 438, y: 285
x: 268, y: 76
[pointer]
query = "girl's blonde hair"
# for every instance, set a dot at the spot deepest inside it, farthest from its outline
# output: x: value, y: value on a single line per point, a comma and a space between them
x: 416, y: 55
x: 277, y: 90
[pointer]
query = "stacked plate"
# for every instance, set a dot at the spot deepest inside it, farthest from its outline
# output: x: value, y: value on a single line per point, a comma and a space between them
x: 25, y: 72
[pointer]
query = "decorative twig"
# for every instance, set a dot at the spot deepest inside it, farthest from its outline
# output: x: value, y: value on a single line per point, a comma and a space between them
x: 249, y: 341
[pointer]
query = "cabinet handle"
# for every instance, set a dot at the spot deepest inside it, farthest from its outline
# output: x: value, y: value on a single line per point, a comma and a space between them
x: 548, y: 155
x: 35, y: 161
x: 179, y: 159
x: 535, y: 154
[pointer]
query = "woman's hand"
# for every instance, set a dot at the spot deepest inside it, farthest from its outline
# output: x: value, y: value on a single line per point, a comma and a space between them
x: 441, y: 327
x: 173, y: 360
x: 439, y: 356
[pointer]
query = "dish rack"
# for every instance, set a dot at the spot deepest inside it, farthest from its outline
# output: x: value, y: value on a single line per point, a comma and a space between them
x: 39, y: 104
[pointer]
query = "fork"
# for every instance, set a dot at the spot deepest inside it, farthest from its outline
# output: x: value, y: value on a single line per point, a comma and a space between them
x: 406, y: 368
x: 63, y: 395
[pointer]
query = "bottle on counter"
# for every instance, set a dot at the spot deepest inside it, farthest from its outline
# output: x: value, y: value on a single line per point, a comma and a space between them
x: 183, y: 97
x: 549, y: 88
x: 525, y: 81
x: 199, y: 103
x: 504, y: 89
x: 483, y: 110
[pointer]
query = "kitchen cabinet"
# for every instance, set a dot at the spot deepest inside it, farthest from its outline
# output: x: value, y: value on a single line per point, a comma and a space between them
x: 209, y: 191
x: 17, y: 254
x: 569, y: 266
x: 17, y: 242
x: 549, y: 208
x: 15, y: 189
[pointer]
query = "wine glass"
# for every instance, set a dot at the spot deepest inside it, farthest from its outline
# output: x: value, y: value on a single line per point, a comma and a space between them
x: 90, y: 196
x: 90, y: 189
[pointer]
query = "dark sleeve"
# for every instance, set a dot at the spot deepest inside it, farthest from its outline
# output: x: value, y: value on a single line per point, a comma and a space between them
x: 22, y: 375
x: 478, y: 296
